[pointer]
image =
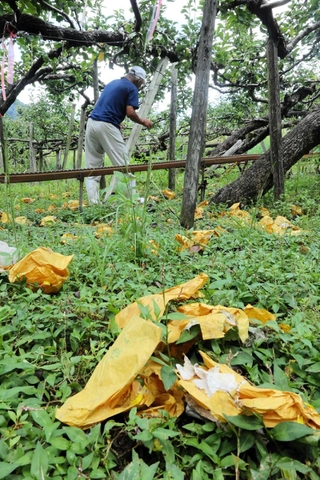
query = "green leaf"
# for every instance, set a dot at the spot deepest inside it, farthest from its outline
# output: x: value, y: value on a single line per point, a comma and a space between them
x: 6, y: 469
x: 286, y: 463
x: 144, y: 436
x: 177, y: 316
x: 86, y: 461
x: 158, y: 360
x: 14, y: 392
x: 242, y: 358
x: 54, y: 366
x: 41, y: 417
x: 289, y: 431
x: 131, y: 472
x: 156, y: 309
x: 148, y: 472
x: 280, y: 378
x: 9, y: 367
x: 188, y: 334
x: 98, y: 473
x: 39, y: 463
x: 315, y: 368
x: 168, y: 450
x: 76, y: 435
x: 60, y: 443
x: 247, y: 439
x: 173, y: 472
x: 247, y: 423
x: 168, y: 376
x: 164, y: 433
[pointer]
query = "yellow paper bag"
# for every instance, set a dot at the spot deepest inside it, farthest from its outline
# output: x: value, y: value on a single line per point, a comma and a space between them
x: 214, y: 321
x: 112, y: 387
x: 42, y: 268
x: 274, y: 406
x: 180, y: 292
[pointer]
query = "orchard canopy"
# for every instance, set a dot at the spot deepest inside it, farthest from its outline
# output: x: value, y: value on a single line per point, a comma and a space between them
x: 58, y: 41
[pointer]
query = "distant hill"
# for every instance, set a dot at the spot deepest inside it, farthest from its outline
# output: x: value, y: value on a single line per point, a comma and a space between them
x: 12, y: 111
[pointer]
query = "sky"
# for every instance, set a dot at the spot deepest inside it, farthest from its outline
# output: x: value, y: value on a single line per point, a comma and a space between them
x: 172, y: 12
x: 173, y: 9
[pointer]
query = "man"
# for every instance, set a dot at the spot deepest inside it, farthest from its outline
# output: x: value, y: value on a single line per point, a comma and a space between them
x: 103, y: 133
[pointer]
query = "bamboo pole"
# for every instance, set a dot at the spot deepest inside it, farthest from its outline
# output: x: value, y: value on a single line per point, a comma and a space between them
x: 145, y: 108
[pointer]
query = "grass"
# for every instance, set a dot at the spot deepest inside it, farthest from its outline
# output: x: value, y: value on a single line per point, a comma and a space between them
x: 50, y: 344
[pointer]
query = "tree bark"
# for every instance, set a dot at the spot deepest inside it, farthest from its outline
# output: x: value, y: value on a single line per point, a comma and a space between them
x: 199, y: 115
x: 173, y: 126
x: 275, y: 119
x: 49, y: 31
x: 257, y: 179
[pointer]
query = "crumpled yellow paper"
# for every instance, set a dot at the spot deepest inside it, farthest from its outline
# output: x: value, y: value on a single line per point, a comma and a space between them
x: 169, y: 194
x: 48, y: 220
x: 68, y: 238
x: 127, y: 377
x: 280, y: 225
x: 181, y: 292
x: 200, y: 238
x: 259, y: 314
x: 274, y: 406
x: 214, y: 321
x: 5, y: 218
x: 103, y: 229
x: 296, y: 210
x: 42, y: 268
x: 113, y: 388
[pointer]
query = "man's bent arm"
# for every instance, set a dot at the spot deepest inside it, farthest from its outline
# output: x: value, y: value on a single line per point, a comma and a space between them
x: 134, y: 117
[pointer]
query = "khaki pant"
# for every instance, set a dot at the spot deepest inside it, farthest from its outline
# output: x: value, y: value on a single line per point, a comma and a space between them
x: 104, y: 138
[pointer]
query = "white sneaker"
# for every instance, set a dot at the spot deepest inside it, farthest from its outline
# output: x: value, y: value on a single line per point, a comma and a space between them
x: 93, y: 190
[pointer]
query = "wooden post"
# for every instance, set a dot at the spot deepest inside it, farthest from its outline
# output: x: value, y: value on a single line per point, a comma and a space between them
x: 275, y: 119
x: 41, y: 159
x: 32, y: 157
x: 58, y: 159
x: 66, y: 152
x: 173, y: 126
x: 199, y: 115
x: 3, y: 163
x: 81, y: 134
x: 145, y: 108
x: 95, y: 77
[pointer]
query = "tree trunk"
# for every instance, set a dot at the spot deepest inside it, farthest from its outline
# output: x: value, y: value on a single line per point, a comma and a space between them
x: 81, y: 133
x: 257, y: 179
x: 199, y: 115
x: 173, y: 126
x: 275, y: 119
x: 3, y: 163
x: 32, y: 154
x: 68, y: 143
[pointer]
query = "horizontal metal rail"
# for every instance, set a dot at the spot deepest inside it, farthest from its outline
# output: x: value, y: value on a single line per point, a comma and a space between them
x: 80, y: 174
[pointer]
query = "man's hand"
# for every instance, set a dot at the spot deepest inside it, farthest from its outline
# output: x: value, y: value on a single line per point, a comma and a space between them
x: 131, y: 113
x: 147, y: 123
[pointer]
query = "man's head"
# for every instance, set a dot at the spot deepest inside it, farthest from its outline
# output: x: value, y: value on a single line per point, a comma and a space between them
x: 137, y: 75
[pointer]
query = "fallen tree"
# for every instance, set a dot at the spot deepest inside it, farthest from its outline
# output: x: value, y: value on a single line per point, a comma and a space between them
x: 257, y: 180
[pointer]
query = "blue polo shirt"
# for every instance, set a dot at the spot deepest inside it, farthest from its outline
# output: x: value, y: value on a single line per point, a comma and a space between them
x: 112, y: 103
